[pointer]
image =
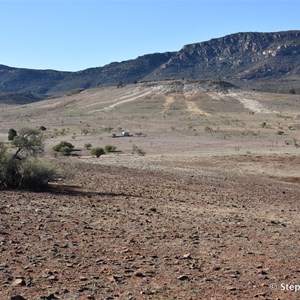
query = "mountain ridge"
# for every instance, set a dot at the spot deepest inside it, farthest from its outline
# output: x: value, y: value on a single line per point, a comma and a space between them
x: 248, y: 59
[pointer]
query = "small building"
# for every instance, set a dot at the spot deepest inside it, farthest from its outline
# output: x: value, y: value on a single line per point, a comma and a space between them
x: 125, y: 133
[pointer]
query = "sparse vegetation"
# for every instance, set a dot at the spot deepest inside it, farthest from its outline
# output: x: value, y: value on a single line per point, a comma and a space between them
x: 65, y: 148
x: 138, y: 150
x: 110, y: 148
x: 29, y: 142
x: 208, y: 129
x: 33, y: 173
x: 85, y: 131
x: 61, y: 132
x: 88, y: 146
x: 12, y: 133
x: 249, y: 133
x: 97, y: 151
x: 107, y: 129
x: 139, y: 133
x: 22, y: 169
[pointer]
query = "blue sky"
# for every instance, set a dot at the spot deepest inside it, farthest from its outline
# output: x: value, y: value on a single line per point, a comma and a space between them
x: 73, y: 35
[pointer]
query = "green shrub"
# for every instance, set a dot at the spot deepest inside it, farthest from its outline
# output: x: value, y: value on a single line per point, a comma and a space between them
x: 61, y: 145
x: 110, y: 148
x: 65, y: 148
x: 97, y: 151
x: 23, y: 173
x: 65, y: 151
x: 33, y: 173
x: 28, y: 142
x: 3, y: 150
x: 9, y: 175
x: 12, y: 133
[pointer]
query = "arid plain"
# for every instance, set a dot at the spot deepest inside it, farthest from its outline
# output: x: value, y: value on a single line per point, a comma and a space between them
x: 211, y: 211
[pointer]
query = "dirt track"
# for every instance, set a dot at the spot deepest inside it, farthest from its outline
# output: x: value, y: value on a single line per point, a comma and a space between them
x: 124, y: 233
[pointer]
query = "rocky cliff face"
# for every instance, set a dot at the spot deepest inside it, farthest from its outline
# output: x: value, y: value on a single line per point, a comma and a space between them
x: 237, y: 56
x: 252, y: 59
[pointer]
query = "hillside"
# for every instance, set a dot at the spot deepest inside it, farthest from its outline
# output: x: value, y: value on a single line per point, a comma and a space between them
x: 263, y: 61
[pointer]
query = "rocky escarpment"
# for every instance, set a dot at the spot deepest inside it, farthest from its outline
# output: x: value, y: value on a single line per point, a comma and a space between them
x: 237, y: 56
x: 267, y: 61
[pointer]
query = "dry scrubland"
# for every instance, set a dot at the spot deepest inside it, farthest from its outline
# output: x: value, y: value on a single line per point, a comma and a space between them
x: 210, y: 212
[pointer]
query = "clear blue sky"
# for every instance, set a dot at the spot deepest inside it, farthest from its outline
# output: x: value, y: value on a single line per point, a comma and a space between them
x: 72, y: 35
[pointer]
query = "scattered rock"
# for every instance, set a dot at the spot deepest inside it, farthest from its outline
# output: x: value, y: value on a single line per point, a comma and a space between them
x: 139, y: 274
x: 17, y: 297
x: 19, y: 282
x: 52, y: 278
x: 50, y: 297
x: 82, y: 278
x: 147, y: 292
x: 232, y: 288
x: 263, y: 272
x: 186, y: 256
x: 183, y: 278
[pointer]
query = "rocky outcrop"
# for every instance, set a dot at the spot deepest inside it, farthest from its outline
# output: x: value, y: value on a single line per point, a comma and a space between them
x: 238, y: 58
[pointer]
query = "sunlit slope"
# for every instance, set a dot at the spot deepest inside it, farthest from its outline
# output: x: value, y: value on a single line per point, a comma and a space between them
x: 157, y: 106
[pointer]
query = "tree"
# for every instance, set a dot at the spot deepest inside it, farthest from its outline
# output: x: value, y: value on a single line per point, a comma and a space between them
x: 97, y: 151
x: 29, y: 142
x: 12, y: 133
x: 22, y: 170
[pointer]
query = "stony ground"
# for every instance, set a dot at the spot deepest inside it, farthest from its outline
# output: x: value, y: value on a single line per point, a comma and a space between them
x: 114, y: 232
x: 211, y: 212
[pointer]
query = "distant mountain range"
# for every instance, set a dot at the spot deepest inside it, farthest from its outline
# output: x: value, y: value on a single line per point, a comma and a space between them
x: 263, y: 61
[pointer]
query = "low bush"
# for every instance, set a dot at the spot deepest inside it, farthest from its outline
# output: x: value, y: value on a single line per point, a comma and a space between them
x: 110, y: 148
x: 61, y: 145
x: 97, y: 151
x: 138, y: 150
x: 12, y: 133
x: 9, y: 175
x: 65, y: 148
x: 23, y: 173
x: 34, y: 173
